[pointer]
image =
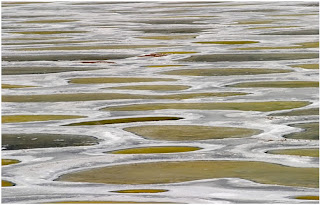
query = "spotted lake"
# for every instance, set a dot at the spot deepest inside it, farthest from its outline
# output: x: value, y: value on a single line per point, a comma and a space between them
x: 160, y: 102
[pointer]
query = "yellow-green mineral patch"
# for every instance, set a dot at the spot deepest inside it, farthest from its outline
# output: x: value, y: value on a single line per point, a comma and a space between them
x: 224, y: 71
x: 48, y: 32
x: 42, y: 70
x: 306, y: 66
x: 43, y: 42
x: 5, y: 183
x: 197, y: 95
x: 250, y: 57
x: 69, y: 97
x: 277, y: 84
x: 9, y: 161
x: 311, y: 131
x: 62, y: 48
x: 311, y: 111
x: 181, y: 171
x: 137, y: 191
x: 227, y: 42
x: 32, y: 39
x: 64, y: 57
x: 153, y: 87
x: 124, y: 120
x: 9, y: 86
x: 32, y: 118
x: 155, y: 150
x: 108, y: 96
x: 176, y: 37
x: 298, y: 45
x: 299, y: 152
x: 44, y: 140
x: 308, y: 197
x: 244, y: 106
x: 190, y: 132
x: 116, y: 80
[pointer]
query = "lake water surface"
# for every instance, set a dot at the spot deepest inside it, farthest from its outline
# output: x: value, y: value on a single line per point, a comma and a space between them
x: 160, y: 102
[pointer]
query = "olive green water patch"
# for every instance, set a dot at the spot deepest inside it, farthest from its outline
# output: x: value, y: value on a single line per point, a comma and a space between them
x: 163, y: 66
x: 190, y: 132
x: 62, y: 48
x: 277, y: 84
x: 69, y: 97
x: 47, y: 32
x: 9, y: 86
x: 5, y: 162
x: 42, y: 70
x: 116, y: 80
x: 224, y: 71
x: 299, y: 45
x: 123, y: 120
x: 155, y: 150
x: 44, y: 42
x: 154, y: 87
x: 307, y: 197
x: 311, y: 131
x: 250, y: 57
x: 311, y: 111
x: 227, y: 42
x: 172, y: 30
x: 176, y: 37
x: 197, y: 95
x: 299, y: 152
x: 32, y: 39
x: 32, y: 118
x: 181, y: 171
x: 244, y: 106
x: 306, y: 66
x: 272, y: 27
x: 309, y: 45
x: 43, y: 140
x: 107, y: 96
x: 50, y: 21
x: 5, y: 183
x: 137, y: 191
x: 295, y: 32
x: 65, y: 57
